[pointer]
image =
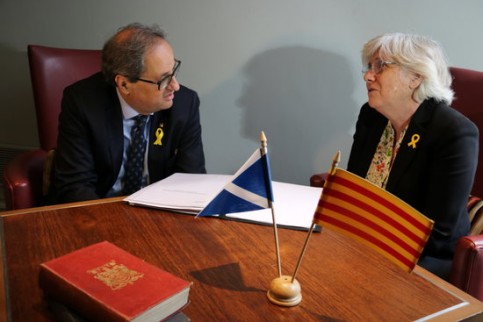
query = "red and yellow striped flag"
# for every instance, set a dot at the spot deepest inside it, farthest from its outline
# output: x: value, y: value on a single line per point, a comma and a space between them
x: 373, y: 216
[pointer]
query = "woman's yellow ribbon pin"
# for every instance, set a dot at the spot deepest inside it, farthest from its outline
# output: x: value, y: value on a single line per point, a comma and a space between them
x: 414, y: 139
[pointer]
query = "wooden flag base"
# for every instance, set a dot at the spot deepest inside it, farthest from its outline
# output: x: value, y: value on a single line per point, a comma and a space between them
x: 284, y: 292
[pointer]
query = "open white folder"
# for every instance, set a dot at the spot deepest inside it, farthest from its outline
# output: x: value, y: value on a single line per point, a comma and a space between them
x: 294, y: 205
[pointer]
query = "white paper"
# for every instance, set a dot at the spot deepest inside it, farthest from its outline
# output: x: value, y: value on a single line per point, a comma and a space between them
x: 294, y: 205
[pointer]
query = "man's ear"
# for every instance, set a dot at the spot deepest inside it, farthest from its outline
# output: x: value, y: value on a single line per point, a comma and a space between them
x: 122, y: 84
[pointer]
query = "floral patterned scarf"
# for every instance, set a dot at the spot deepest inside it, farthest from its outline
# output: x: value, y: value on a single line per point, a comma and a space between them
x: 384, y: 156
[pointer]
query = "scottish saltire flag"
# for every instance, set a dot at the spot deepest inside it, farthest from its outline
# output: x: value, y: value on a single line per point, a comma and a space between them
x: 357, y: 208
x: 249, y: 189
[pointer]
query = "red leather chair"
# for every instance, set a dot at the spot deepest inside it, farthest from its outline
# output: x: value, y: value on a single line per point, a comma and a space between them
x: 468, y: 88
x: 51, y: 70
x: 467, y: 268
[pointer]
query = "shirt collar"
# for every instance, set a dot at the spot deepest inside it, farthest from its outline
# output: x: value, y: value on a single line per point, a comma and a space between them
x: 127, y: 111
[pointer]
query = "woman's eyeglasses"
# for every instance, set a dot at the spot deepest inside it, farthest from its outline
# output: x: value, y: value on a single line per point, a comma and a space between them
x: 378, y: 66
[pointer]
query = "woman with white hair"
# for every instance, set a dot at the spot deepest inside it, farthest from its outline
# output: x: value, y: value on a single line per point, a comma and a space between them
x: 409, y: 141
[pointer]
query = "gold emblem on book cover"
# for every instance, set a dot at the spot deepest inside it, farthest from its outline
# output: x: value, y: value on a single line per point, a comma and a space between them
x: 115, y: 276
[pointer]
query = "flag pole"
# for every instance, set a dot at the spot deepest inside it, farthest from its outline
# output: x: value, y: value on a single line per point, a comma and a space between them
x: 263, y: 151
x: 335, y: 162
x: 283, y: 291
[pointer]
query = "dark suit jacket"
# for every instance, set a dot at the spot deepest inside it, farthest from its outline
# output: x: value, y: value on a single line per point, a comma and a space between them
x: 89, y: 151
x: 436, y: 177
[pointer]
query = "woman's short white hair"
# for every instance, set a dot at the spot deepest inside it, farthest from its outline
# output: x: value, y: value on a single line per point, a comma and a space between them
x: 418, y: 54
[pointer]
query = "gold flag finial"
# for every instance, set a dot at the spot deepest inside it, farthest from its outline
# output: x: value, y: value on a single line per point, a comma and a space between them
x: 335, y: 162
x: 263, y: 141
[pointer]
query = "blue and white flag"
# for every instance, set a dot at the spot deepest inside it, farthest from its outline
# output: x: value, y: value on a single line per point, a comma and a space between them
x: 249, y: 189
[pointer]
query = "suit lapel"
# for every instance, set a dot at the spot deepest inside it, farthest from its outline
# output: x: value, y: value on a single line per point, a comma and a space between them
x: 157, y: 131
x: 114, y: 126
x: 413, y: 140
x: 158, y: 144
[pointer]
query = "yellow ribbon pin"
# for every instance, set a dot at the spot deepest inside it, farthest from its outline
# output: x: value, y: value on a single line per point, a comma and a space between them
x: 159, y: 136
x: 414, y: 139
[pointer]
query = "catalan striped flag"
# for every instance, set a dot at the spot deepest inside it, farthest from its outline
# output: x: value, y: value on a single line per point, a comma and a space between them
x: 357, y: 208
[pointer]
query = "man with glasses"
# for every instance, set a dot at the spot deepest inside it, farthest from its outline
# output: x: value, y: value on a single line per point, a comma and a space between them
x: 128, y: 126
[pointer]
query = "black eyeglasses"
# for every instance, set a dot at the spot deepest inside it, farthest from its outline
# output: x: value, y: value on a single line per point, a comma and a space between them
x: 165, y: 81
x: 378, y: 66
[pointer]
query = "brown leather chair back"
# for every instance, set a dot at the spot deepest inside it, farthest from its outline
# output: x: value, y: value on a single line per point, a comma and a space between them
x: 467, y: 269
x: 51, y: 70
x: 468, y: 88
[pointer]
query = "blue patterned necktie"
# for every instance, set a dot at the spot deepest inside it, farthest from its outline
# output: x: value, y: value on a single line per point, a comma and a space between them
x: 133, y: 175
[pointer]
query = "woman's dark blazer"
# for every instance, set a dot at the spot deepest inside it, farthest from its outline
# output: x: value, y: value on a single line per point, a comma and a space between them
x: 434, y: 175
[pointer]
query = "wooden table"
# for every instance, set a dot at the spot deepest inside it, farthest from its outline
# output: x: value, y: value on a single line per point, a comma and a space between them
x: 231, y: 265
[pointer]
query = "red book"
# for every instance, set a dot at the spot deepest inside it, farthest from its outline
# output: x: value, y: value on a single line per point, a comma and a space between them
x: 105, y: 283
